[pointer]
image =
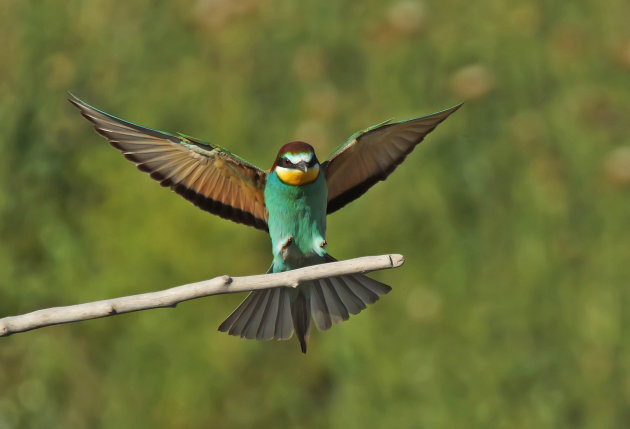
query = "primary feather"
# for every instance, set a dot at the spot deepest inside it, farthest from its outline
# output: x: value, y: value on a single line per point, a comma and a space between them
x: 373, y: 154
x: 207, y: 175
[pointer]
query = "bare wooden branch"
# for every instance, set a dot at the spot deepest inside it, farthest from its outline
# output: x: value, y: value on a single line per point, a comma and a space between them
x: 173, y: 296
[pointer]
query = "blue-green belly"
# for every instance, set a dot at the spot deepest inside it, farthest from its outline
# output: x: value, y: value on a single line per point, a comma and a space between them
x: 298, y: 212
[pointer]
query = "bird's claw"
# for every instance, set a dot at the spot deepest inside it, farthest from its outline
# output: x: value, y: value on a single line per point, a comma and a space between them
x: 287, y: 243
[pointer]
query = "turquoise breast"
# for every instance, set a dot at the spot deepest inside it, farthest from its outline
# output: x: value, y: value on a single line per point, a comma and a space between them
x: 298, y: 212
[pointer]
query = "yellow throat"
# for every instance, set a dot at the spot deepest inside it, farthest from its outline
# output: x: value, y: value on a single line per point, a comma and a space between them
x: 291, y: 176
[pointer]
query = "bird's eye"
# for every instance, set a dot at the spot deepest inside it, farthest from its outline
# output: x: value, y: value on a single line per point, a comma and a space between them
x: 285, y: 162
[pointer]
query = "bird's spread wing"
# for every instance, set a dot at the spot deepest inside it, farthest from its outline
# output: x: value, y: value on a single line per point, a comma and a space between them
x: 371, y: 155
x: 205, y: 174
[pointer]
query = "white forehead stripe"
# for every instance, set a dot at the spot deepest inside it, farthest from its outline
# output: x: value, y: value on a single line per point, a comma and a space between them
x: 297, y: 157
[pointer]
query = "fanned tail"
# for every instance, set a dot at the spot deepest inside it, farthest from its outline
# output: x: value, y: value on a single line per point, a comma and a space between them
x: 276, y: 313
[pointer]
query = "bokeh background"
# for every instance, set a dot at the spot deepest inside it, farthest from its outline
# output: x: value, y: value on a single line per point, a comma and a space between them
x: 512, y: 310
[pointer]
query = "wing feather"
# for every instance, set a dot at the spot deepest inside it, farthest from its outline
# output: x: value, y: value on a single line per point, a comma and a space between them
x: 371, y: 155
x: 207, y: 175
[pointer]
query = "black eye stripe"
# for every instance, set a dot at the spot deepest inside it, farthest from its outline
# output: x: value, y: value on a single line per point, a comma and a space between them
x: 286, y: 162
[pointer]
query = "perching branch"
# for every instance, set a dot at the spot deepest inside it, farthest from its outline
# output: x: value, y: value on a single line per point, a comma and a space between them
x: 173, y: 296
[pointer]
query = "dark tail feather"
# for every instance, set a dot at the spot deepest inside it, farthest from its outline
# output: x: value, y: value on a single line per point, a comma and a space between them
x: 301, y: 313
x: 263, y: 315
x: 334, y: 299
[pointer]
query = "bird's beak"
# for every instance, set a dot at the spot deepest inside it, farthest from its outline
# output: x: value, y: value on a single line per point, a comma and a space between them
x: 302, y: 166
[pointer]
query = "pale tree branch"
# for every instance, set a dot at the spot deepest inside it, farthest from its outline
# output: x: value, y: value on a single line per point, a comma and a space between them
x: 173, y: 296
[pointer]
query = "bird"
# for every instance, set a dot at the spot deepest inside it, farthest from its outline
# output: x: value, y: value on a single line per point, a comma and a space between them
x: 290, y: 201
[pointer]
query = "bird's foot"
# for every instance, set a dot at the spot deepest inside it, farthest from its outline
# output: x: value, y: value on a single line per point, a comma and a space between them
x: 284, y: 250
x: 287, y: 243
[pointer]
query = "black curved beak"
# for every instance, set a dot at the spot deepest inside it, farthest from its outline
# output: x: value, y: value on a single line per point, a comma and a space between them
x: 302, y: 166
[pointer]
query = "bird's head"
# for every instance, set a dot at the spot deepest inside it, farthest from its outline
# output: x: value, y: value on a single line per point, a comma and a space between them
x: 296, y: 164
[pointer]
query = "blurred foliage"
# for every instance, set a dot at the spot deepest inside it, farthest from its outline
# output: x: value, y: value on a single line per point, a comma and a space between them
x: 512, y: 308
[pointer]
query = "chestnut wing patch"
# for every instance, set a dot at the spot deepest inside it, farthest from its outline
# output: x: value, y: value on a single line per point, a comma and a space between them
x: 207, y: 175
x: 373, y: 154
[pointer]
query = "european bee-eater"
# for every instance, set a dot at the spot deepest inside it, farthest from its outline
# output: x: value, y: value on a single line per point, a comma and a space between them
x: 290, y: 201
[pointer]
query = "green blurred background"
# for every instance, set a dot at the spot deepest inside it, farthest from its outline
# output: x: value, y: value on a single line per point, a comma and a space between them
x: 514, y: 215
